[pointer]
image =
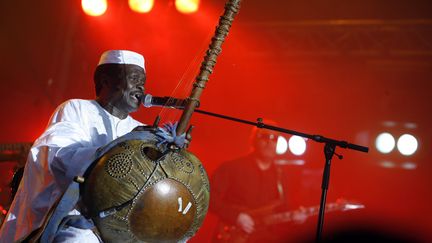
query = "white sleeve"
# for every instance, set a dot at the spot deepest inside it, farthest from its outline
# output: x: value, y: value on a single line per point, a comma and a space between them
x: 65, y: 146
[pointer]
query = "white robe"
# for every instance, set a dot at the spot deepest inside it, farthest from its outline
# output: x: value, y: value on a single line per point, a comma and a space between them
x: 75, y: 131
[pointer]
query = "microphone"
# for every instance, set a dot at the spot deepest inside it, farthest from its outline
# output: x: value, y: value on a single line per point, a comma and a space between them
x: 148, y: 101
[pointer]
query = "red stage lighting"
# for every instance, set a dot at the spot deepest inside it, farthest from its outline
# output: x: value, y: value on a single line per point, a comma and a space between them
x: 407, y: 144
x: 187, y: 6
x: 94, y: 7
x: 385, y: 142
x: 297, y: 145
x: 141, y: 6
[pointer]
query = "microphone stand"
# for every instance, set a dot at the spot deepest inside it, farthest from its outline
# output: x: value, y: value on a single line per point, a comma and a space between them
x: 329, y: 151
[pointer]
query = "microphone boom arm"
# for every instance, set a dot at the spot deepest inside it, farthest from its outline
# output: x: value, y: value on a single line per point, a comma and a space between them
x: 316, y: 138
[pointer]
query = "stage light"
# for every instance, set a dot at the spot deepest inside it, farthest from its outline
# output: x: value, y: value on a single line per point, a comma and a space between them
x: 388, y: 164
x: 141, y: 6
x: 297, y: 145
x: 409, y: 166
x: 385, y: 143
x: 94, y: 7
x: 281, y: 145
x: 187, y: 6
x: 407, y: 144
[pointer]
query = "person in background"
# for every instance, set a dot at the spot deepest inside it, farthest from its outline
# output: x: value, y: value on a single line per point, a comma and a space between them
x: 247, y: 191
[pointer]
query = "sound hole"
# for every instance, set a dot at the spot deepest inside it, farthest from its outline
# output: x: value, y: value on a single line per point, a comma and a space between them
x: 119, y: 165
x: 151, y: 153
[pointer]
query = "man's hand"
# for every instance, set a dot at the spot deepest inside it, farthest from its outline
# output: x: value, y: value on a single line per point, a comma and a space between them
x: 246, y: 223
x: 169, y: 132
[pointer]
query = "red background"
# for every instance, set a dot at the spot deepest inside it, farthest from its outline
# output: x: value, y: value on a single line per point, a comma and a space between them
x: 283, y: 60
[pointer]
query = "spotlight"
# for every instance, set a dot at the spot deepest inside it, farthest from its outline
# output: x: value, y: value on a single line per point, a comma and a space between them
x: 141, y: 6
x: 407, y: 144
x: 187, y: 6
x: 94, y: 7
x: 297, y: 145
x: 385, y: 143
x: 281, y: 145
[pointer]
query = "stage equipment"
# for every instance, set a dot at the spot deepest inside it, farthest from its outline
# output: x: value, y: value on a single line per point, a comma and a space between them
x: 141, y: 6
x: 297, y: 145
x: 385, y: 143
x: 187, y: 6
x: 149, y: 101
x: 94, y: 7
x: 145, y: 186
x: 407, y: 144
x: 329, y: 151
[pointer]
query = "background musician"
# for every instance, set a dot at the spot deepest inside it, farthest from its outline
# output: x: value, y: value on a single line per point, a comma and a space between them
x: 246, y: 189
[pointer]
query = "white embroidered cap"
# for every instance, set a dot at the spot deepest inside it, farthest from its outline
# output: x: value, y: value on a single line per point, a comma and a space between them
x: 122, y: 57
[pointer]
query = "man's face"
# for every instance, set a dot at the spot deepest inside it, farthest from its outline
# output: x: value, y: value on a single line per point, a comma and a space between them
x: 126, y: 95
x: 265, y: 144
